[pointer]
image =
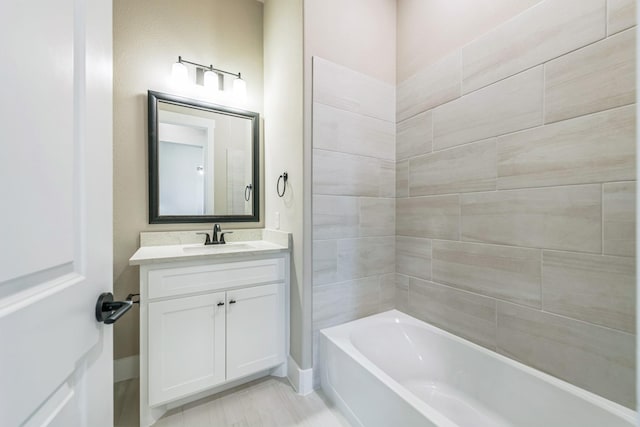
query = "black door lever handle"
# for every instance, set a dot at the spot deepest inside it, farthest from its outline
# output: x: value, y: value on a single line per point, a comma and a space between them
x: 108, y: 310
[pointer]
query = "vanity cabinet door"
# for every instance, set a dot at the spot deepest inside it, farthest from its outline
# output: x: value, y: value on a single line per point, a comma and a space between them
x: 186, y: 346
x: 255, y: 329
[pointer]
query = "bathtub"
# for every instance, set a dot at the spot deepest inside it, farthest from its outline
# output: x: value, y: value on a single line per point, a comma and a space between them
x: 391, y: 370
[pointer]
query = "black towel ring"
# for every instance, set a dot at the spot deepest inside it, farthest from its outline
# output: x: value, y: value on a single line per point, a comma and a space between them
x: 248, y: 196
x: 284, y: 177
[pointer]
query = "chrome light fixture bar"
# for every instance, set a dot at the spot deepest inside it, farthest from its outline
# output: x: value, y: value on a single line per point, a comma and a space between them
x: 208, y: 76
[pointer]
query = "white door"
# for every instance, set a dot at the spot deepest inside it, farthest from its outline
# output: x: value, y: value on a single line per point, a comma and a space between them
x: 55, y: 212
x: 255, y: 329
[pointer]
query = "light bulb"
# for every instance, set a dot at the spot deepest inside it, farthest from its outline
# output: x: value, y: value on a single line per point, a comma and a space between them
x: 179, y: 73
x: 211, y: 80
x: 240, y: 88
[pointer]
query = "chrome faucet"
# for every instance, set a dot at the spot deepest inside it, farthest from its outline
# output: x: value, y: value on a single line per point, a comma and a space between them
x: 215, y: 241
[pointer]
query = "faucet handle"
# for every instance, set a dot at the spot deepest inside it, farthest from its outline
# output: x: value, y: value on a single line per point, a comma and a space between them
x: 207, y: 240
x: 222, y: 242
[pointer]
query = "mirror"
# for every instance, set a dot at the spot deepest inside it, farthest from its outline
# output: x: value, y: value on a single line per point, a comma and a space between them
x: 203, y: 161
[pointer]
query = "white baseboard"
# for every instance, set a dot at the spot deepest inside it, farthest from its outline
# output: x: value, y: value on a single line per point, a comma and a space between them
x: 300, y: 379
x: 126, y: 368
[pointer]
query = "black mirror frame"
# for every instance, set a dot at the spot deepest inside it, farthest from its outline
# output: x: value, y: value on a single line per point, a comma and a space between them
x: 154, y: 207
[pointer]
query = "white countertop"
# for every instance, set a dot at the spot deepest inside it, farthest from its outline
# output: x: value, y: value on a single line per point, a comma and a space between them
x: 192, y: 252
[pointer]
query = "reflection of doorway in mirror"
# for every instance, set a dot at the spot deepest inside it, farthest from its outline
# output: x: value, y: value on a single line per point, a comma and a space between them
x: 185, y: 164
x: 181, y: 178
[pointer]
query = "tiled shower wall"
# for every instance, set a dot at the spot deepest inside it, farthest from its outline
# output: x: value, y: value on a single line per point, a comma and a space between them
x: 516, y: 193
x: 353, y: 195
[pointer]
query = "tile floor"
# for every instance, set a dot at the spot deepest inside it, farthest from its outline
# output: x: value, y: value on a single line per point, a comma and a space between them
x: 268, y: 402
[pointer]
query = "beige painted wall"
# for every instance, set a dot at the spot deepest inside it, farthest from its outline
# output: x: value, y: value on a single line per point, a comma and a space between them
x: 148, y: 37
x: 358, y: 34
x: 284, y: 151
x: 429, y: 29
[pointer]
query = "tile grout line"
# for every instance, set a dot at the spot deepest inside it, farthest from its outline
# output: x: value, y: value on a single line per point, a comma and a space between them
x: 501, y: 190
x: 496, y: 304
x: 544, y: 94
x: 431, y: 260
x: 602, y: 219
x: 541, y: 279
x: 459, y: 217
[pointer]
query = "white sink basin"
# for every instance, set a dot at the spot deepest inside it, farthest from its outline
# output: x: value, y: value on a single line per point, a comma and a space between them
x: 227, y: 247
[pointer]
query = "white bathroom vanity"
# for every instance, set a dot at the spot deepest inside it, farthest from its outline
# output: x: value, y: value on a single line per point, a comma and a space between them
x: 211, y: 317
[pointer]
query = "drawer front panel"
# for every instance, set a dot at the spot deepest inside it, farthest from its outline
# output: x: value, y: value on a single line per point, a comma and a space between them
x: 186, y: 280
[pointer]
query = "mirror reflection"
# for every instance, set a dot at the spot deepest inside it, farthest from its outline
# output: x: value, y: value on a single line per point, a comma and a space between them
x: 202, y: 161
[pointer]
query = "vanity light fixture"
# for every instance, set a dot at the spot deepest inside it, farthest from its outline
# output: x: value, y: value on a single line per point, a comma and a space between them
x: 179, y: 73
x: 209, y: 77
x: 240, y: 87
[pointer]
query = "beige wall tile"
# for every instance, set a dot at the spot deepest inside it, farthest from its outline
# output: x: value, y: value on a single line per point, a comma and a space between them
x: 347, y: 132
x: 344, y: 301
x: 331, y: 305
x: 350, y: 90
x: 377, y: 216
x: 413, y: 257
x: 402, y: 178
x: 621, y: 14
x: 461, y: 169
x: 543, y: 32
x: 387, y: 292
x: 468, y: 315
x: 414, y: 136
x: 402, y: 293
x: 502, y: 272
x: 619, y: 211
x: 387, y: 179
x: 597, y: 359
x: 345, y: 174
x: 507, y: 106
x: 365, y: 296
x: 594, y: 78
x: 565, y: 218
x: 594, y: 148
x: 594, y: 288
x: 335, y: 217
x: 365, y: 256
x: 325, y: 262
x: 437, y: 217
x: 430, y: 87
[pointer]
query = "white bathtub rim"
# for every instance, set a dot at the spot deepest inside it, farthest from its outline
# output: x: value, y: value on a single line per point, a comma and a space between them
x: 340, y: 335
x: 421, y: 406
x: 343, y: 343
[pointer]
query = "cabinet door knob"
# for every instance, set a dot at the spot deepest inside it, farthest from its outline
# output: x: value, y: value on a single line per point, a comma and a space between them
x: 220, y: 303
x: 232, y: 301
